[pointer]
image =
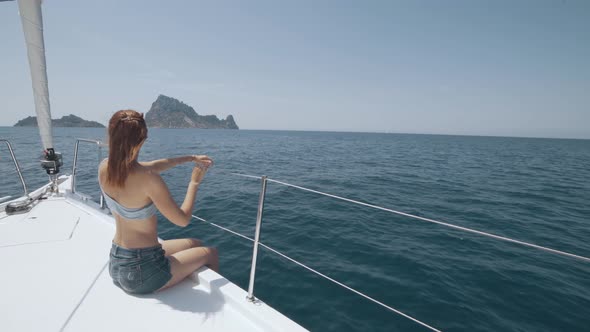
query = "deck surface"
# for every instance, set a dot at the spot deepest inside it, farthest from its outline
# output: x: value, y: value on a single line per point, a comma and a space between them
x: 55, y: 278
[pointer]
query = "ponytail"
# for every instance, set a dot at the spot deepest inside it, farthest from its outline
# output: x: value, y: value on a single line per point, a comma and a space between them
x: 127, y: 130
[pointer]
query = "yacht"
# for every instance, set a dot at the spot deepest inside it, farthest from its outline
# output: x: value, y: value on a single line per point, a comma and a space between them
x: 55, y: 242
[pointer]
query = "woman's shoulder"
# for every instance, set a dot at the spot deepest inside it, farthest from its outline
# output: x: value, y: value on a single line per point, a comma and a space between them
x: 102, y: 169
x: 102, y: 165
x: 144, y: 180
x: 144, y: 173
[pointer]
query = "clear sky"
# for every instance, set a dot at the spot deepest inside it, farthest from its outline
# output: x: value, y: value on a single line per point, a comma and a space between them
x: 509, y: 68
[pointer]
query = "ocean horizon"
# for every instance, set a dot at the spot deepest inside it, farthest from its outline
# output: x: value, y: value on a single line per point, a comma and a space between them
x: 368, y: 132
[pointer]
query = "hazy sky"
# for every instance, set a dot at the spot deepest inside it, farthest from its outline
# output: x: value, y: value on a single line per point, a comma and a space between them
x: 517, y: 68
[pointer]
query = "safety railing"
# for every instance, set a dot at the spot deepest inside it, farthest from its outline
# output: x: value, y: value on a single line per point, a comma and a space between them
x: 18, y: 171
x: 99, y: 144
x: 256, y: 240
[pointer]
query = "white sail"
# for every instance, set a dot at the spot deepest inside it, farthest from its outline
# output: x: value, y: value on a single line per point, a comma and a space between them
x: 32, y: 20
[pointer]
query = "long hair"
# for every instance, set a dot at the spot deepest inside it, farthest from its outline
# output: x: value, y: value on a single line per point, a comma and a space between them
x: 127, y: 130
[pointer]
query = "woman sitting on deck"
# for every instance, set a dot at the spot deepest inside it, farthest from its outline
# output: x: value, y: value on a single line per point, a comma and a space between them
x: 133, y: 191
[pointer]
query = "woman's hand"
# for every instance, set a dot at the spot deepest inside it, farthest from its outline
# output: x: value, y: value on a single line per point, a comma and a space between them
x: 202, y: 164
x: 198, y: 174
x: 202, y: 159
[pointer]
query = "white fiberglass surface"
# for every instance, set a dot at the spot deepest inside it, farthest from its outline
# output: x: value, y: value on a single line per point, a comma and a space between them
x: 45, y: 271
x: 188, y: 306
x: 55, y: 278
x: 34, y: 228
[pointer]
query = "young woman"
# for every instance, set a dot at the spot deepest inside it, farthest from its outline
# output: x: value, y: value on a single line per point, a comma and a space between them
x: 133, y: 191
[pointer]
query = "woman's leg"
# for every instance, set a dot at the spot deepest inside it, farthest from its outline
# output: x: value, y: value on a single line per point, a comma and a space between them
x: 185, y: 262
x: 176, y: 245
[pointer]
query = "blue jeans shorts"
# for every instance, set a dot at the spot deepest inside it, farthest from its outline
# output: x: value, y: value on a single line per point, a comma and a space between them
x: 139, y: 271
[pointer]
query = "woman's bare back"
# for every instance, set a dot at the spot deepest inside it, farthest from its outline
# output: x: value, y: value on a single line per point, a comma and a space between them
x: 137, y: 233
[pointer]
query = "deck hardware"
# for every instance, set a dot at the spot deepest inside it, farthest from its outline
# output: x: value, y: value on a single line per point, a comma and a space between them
x: 74, y: 168
x: 20, y: 174
x: 251, y: 297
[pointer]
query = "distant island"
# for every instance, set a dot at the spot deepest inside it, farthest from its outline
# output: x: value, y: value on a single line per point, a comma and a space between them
x: 66, y: 121
x: 167, y: 112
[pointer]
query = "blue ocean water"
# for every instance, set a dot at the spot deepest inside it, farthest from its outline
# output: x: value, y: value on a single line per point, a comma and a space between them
x: 535, y: 190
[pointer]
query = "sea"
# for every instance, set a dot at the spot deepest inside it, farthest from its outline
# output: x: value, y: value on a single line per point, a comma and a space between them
x: 531, y: 189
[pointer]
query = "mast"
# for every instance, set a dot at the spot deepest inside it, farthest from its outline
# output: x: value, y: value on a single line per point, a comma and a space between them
x: 32, y: 21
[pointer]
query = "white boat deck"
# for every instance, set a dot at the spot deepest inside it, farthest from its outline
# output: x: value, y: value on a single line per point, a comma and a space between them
x: 55, y: 278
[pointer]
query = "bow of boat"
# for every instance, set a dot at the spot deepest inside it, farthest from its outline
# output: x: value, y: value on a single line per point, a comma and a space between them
x: 55, y: 278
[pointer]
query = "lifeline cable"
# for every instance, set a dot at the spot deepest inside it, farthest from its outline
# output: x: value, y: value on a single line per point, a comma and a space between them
x: 324, y: 276
x: 466, y: 229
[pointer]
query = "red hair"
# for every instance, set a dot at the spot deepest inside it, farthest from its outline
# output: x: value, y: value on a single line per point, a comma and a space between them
x: 127, y: 130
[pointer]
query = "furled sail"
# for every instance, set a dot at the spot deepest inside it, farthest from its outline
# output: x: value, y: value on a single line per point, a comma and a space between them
x: 32, y: 20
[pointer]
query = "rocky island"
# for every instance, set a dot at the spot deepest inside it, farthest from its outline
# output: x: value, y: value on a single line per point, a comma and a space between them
x: 167, y: 112
x: 66, y: 121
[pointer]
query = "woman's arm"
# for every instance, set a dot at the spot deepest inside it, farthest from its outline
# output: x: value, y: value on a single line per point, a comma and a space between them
x: 161, y: 165
x: 160, y: 195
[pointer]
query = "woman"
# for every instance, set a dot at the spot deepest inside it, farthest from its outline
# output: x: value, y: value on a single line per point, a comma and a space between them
x: 133, y: 191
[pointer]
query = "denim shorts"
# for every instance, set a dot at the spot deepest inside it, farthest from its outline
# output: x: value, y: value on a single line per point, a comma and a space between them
x: 139, y: 271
